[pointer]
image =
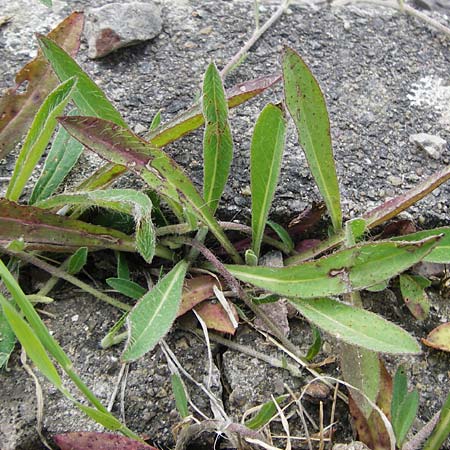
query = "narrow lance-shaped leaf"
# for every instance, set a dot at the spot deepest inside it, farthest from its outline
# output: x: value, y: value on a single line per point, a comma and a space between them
x: 217, y: 141
x: 89, y: 98
x: 77, y: 261
x: 186, y: 122
x: 306, y: 104
x: 441, y: 253
x: 7, y: 341
x: 155, y: 167
x: 17, y: 109
x: 154, y: 314
x: 38, y: 137
x: 265, y: 163
x: 126, y: 201
x: 356, y: 326
x: 43, y: 230
x: 413, y: 292
x: 126, y: 287
x: 442, y: 429
x: 393, y: 207
x: 60, y: 160
x: 33, y: 346
x: 351, y: 269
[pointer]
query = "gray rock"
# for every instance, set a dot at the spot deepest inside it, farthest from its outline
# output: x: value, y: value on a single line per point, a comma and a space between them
x: 118, y: 25
x: 433, y: 145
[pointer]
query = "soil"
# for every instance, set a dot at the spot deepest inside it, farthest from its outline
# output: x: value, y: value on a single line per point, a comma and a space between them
x: 385, y: 77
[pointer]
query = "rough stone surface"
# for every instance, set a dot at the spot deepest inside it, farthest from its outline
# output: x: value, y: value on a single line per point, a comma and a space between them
x: 432, y: 145
x: 119, y: 25
x: 384, y: 75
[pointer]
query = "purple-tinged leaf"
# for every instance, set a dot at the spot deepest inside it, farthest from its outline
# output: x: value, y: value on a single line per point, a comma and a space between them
x: 98, y: 441
x: 216, y: 318
x: 195, y: 291
x: 46, y: 231
x: 17, y: 109
x: 393, y: 207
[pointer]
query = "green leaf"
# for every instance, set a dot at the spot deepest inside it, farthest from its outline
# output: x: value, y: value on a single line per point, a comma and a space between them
x: 38, y: 137
x: 126, y: 201
x: 179, y: 393
x: 7, y: 340
x: 314, y: 349
x: 43, y: 230
x: 404, y: 406
x: 265, y: 414
x: 441, y: 253
x: 347, y: 270
x: 103, y: 418
x: 217, y: 141
x: 77, y: 261
x: 155, y: 313
x: 31, y: 343
x: 155, y: 167
x: 250, y: 258
x: 265, y: 163
x: 354, y: 231
x: 442, y: 429
x: 112, y: 338
x: 127, y: 287
x: 379, y: 286
x: 156, y: 121
x: 282, y: 234
x: 361, y: 369
x: 89, y: 98
x: 413, y: 292
x: 47, y: 3
x: 60, y: 160
x: 123, y: 270
x: 356, y: 326
x: 306, y: 104
x: 19, y: 104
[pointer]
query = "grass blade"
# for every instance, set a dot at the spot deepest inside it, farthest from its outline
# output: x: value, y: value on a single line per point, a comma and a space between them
x: 356, y: 326
x: 265, y: 163
x: 17, y: 109
x: 155, y: 167
x: 60, y: 160
x: 217, y: 141
x: 306, y: 104
x: 351, y: 269
x: 179, y: 393
x: 38, y: 137
x: 155, y: 313
x: 32, y: 345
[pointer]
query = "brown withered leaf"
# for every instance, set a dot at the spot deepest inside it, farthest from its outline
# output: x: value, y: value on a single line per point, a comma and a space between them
x: 372, y: 431
x: 195, y: 291
x: 17, y: 109
x: 216, y: 318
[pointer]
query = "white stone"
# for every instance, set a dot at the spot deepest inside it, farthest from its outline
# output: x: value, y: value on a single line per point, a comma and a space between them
x: 433, y: 145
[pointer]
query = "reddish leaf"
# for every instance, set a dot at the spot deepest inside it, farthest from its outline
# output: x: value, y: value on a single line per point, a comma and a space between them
x: 392, y: 207
x: 43, y: 230
x: 215, y: 317
x: 87, y: 440
x: 17, y: 110
x: 307, y: 218
x: 307, y: 244
x: 439, y: 338
x: 372, y: 431
x: 398, y: 228
x: 196, y: 290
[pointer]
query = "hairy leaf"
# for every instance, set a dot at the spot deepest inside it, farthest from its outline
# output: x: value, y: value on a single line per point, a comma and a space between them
x: 154, y: 314
x: 306, y: 104
x: 7, y: 341
x: 217, y: 141
x: 265, y: 163
x: 356, y: 326
x: 17, y: 109
x: 60, y: 160
x: 439, y: 338
x: 413, y: 292
x: 126, y: 201
x: 38, y: 137
x: 126, y: 287
x: 441, y: 253
x: 347, y: 270
x: 77, y: 261
x: 393, y: 207
x: 43, y: 230
x: 155, y: 167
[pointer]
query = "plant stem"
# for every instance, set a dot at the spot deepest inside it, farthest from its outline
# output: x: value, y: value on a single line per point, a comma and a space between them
x: 57, y: 272
x: 255, y: 36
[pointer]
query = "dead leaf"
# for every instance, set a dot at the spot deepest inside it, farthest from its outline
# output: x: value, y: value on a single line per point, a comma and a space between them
x: 439, y: 338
